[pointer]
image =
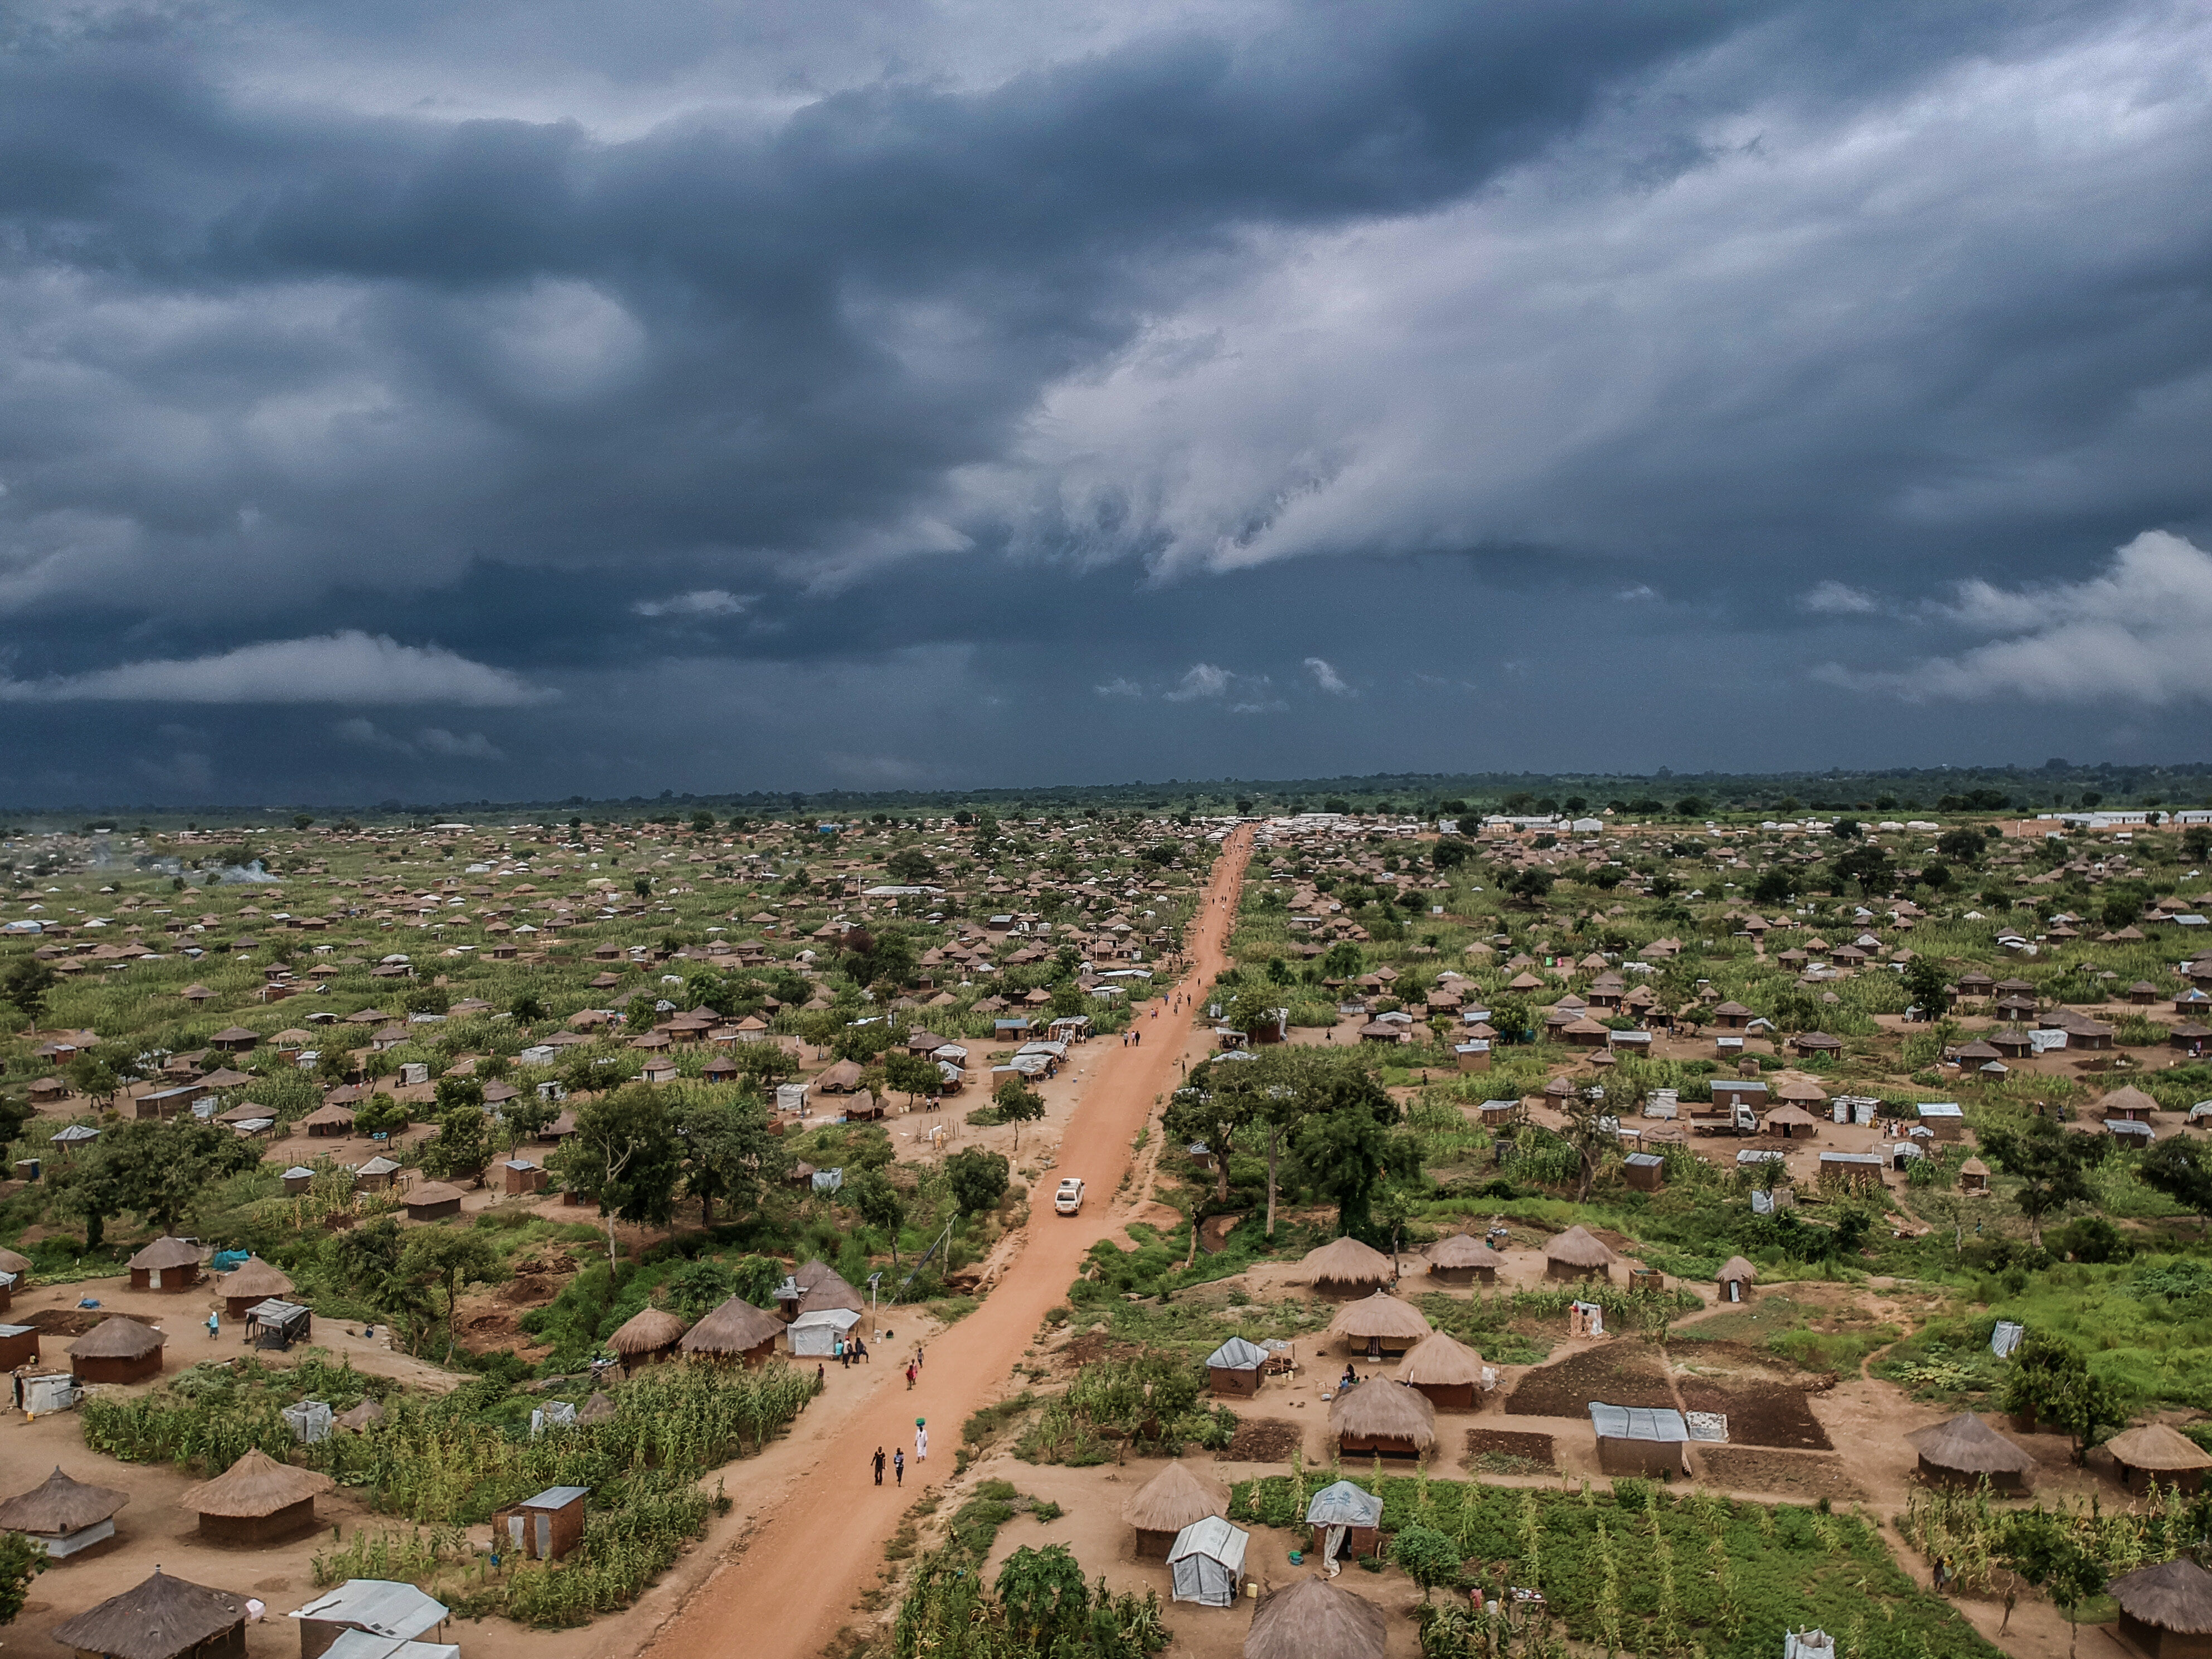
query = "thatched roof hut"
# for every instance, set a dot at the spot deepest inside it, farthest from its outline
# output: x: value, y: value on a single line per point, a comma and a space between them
x: 598, y: 1409
x: 163, y: 1618
x: 167, y: 1264
x: 64, y: 1515
x: 1735, y: 1279
x: 432, y: 1200
x: 10, y: 1262
x: 1314, y: 1619
x: 116, y: 1350
x: 645, y: 1336
x: 256, y: 1500
x: 252, y: 1281
x: 1965, y: 1450
x: 1168, y: 1503
x: 736, y: 1330
x: 1462, y: 1257
x: 2127, y: 1101
x: 2167, y: 1610
x: 1383, y: 1419
x: 821, y: 1289
x: 1379, y: 1324
x: 1345, y: 1267
x: 1576, y: 1254
x: 2156, y: 1452
x: 362, y: 1417
x: 1445, y: 1369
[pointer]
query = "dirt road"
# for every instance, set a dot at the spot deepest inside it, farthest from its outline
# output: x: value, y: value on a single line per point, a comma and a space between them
x: 785, y: 1595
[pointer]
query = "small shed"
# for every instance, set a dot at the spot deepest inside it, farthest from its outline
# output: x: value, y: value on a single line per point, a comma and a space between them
x: 2158, y: 1453
x: 1645, y: 1171
x: 544, y: 1527
x: 1345, y: 1267
x: 64, y: 1516
x: 162, y: 1618
x: 1234, y: 1368
x: 645, y: 1336
x: 1734, y: 1280
x: 380, y: 1607
x: 1445, y: 1369
x: 310, y: 1420
x: 1207, y: 1563
x: 1383, y: 1420
x: 276, y: 1324
x: 1640, y: 1440
x: 816, y: 1336
x: 1945, y: 1118
x: 116, y: 1350
x: 169, y: 1264
x: 1314, y: 1619
x: 1578, y: 1254
x: 2166, y: 1610
x: 297, y: 1180
x: 19, y: 1346
x: 520, y: 1177
x: 1850, y: 1171
x: 1167, y: 1503
x: 736, y: 1330
x: 1973, y: 1176
x: 1964, y: 1451
x: 253, y: 1281
x: 375, y: 1175
x: 256, y: 1501
x: 1380, y: 1326
x: 1353, y: 1513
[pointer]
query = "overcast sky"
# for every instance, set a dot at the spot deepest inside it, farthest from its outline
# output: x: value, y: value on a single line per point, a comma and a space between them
x: 486, y: 399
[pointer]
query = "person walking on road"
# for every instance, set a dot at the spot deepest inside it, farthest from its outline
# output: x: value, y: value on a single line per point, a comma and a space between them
x: 920, y: 1441
x: 214, y: 1325
x: 879, y: 1465
x: 910, y: 1375
x: 898, y: 1467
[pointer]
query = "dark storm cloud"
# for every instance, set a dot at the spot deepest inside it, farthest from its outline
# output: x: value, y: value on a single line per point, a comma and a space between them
x: 553, y: 364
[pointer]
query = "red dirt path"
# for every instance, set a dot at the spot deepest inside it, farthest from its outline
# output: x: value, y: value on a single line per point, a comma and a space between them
x: 785, y: 1593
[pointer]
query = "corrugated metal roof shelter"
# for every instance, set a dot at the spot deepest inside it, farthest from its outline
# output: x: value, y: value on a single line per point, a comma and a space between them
x: 1639, y: 1439
x: 373, y: 1607
x: 1234, y: 1367
x: 1207, y: 1563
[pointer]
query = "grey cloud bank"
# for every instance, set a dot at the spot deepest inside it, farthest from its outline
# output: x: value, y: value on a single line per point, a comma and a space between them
x: 710, y: 402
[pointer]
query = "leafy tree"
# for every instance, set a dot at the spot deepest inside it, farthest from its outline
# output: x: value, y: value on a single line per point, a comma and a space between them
x: 2046, y: 1553
x: 1044, y: 1595
x: 445, y: 1259
x: 28, y: 983
x: 766, y: 1064
x: 910, y: 1074
x: 1452, y: 851
x: 1344, y: 961
x: 2178, y: 1169
x: 1511, y: 1017
x: 911, y: 865
x: 462, y: 1145
x: 161, y: 1169
x: 452, y: 1093
x: 1348, y: 1143
x: 1017, y: 1104
x: 699, y: 1287
x: 1210, y: 1107
x: 1869, y: 866
x: 1964, y: 845
x: 382, y: 1113
x: 2197, y: 843
x: 729, y: 1154
x: 528, y: 1008
x: 1936, y: 877
x: 21, y: 1559
x: 1929, y: 986
x: 1691, y: 806
x: 1429, y: 1556
x: 93, y: 1077
x: 1530, y: 886
x: 366, y: 1259
x: 1775, y: 886
x: 978, y: 1179
x: 625, y: 1158
x: 880, y: 1203
x: 2051, y: 1164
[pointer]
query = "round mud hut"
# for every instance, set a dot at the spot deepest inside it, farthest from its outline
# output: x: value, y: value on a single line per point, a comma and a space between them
x: 1382, y: 1419
x: 1463, y: 1258
x: 10, y: 1262
x: 735, y: 1331
x: 1965, y: 1451
x: 251, y: 1282
x: 163, y: 1618
x: 1345, y: 1267
x: 256, y: 1501
x: 646, y: 1337
x: 1445, y: 1370
x: 1379, y: 1326
x: 167, y: 1264
x: 1168, y: 1503
x: 63, y: 1515
x: 2156, y: 1452
x: 116, y: 1350
x: 1313, y: 1619
x: 1578, y: 1254
x: 1234, y: 1368
x: 2166, y: 1610
x: 1734, y: 1280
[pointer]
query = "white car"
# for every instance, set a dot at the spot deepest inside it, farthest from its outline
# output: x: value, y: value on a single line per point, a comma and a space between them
x: 1069, y: 1198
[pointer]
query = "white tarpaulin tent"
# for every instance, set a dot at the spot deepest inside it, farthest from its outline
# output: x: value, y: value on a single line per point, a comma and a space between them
x: 1208, y: 1562
x: 815, y: 1334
